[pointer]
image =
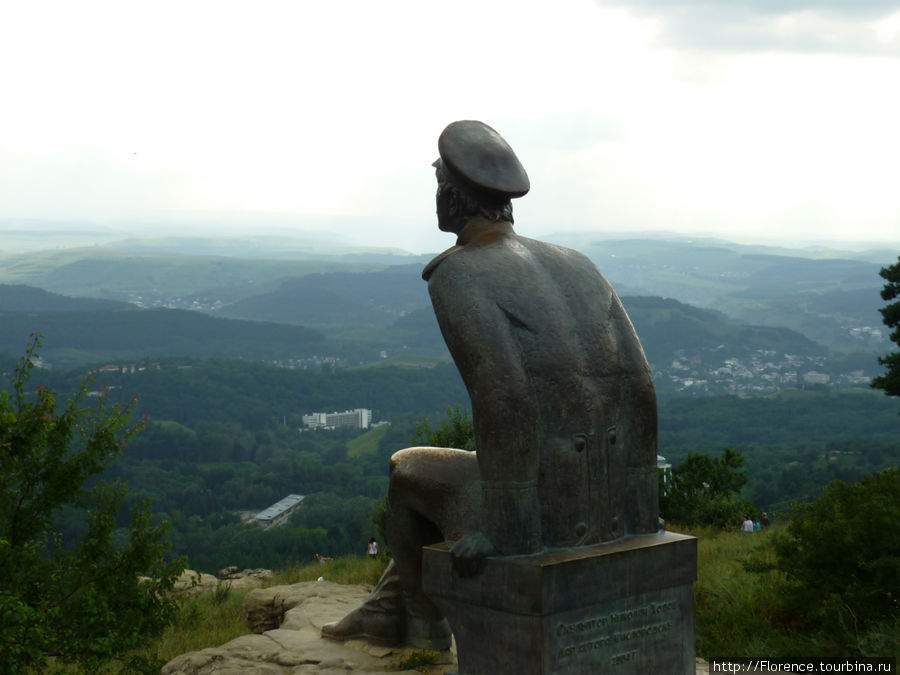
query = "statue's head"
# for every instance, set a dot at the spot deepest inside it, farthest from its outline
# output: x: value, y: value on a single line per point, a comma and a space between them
x: 478, y: 174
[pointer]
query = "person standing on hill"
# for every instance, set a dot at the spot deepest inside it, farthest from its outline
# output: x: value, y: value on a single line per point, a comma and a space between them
x: 372, y: 548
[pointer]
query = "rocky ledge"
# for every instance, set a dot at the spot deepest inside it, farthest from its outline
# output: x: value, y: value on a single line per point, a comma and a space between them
x: 286, y: 623
x: 194, y: 583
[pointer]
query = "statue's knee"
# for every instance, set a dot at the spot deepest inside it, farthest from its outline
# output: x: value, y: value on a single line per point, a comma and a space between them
x: 402, y: 460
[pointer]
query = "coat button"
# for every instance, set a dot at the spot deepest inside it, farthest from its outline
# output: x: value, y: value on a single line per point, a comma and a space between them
x: 580, y: 443
x: 580, y: 529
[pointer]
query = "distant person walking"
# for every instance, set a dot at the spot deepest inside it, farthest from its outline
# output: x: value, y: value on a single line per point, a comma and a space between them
x: 747, y: 527
x: 765, y: 520
x: 372, y: 548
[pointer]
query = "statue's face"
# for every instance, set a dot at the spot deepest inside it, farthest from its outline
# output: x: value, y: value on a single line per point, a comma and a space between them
x: 442, y: 201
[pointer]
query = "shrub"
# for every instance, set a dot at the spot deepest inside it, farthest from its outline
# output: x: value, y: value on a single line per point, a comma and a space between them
x: 81, y: 602
x: 842, y: 552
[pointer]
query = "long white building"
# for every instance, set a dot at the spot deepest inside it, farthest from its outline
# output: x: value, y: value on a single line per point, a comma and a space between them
x: 360, y: 418
x: 279, y: 511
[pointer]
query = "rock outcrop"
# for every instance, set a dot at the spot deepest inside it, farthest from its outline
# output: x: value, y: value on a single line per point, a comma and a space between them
x: 287, y: 621
x: 194, y: 583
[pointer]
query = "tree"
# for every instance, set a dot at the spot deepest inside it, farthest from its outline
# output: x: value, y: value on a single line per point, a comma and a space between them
x: 890, y: 381
x: 842, y: 553
x: 82, y: 601
x: 703, y: 490
x: 454, y: 432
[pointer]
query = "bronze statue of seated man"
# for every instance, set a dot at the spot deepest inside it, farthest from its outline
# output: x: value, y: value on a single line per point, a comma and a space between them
x: 564, y: 410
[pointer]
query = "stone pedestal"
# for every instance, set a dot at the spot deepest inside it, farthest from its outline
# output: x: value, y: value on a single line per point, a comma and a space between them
x: 626, y: 607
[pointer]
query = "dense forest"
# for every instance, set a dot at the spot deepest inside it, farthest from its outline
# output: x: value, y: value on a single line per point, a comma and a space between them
x: 224, y: 437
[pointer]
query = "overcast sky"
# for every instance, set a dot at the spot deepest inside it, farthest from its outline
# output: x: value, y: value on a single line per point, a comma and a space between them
x: 752, y: 120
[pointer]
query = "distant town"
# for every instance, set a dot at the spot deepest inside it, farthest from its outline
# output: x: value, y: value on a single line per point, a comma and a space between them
x: 763, y: 372
x: 712, y: 372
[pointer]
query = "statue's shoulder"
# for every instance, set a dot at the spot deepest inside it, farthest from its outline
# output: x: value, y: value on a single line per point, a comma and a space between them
x: 459, y: 257
x: 554, y: 252
x: 437, y: 260
x: 500, y: 245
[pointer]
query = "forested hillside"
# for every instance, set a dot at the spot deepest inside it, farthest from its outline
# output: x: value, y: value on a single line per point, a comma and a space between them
x: 225, y: 396
x: 130, y: 334
x: 224, y: 438
x: 339, y: 300
x: 21, y: 298
x: 349, y: 319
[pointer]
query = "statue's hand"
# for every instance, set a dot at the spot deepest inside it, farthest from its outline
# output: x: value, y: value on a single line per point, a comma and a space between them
x: 469, y: 553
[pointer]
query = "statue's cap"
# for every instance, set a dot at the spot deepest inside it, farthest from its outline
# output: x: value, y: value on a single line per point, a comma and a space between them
x: 477, y: 157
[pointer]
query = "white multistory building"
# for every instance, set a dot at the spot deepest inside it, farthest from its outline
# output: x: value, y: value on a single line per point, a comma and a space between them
x: 359, y: 418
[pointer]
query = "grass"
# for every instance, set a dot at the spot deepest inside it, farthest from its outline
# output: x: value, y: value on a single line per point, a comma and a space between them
x: 745, y: 607
x: 345, y: 570
x: 739, y: 597
x: 366, y: 444
x: 419, y: 659
x: 206, y: 620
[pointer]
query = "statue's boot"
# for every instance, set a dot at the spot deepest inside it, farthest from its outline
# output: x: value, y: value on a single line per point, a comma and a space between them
x: 380, y: 619
x: 383, y: 620
x: 369, y: 624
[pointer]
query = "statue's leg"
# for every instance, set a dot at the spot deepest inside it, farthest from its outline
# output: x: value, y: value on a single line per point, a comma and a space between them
x: 433, y: 495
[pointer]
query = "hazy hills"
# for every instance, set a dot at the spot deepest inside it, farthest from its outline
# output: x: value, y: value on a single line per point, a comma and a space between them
x: 82, y: 331
x: 675, y: 336
x: 277, y: 299
x: 338, y: 300
x: 21, y: 298
x: 823, y: 294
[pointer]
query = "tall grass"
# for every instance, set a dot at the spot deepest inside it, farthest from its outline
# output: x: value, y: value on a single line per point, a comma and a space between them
x: 346, y: 570
x: 206, y: 620
x: 740, y: 597
x: 745, y: 607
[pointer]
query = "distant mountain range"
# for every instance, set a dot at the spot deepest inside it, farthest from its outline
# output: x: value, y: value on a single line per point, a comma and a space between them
x: 700, y: 301
x: 79, y: 331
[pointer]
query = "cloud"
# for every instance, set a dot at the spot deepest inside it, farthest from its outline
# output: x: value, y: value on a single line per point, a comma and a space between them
x: 864, y: 27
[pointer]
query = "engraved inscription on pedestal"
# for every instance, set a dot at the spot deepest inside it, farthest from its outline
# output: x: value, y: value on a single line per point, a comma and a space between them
x: 625, y: 634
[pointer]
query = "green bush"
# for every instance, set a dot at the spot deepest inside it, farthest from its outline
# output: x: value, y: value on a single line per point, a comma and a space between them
x: 81, y: 601
x: 454, y: 432
x: 843, y: 550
